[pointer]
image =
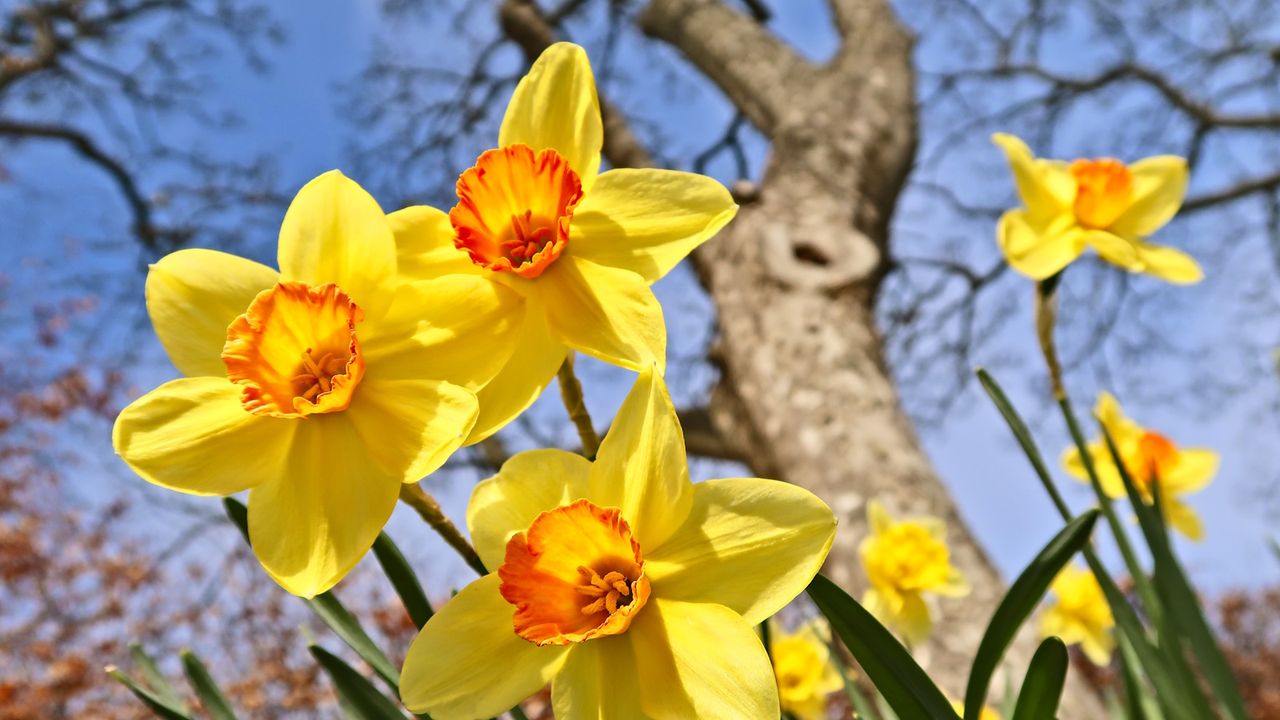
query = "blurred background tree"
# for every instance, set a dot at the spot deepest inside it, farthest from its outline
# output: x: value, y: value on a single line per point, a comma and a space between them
x: 843, y: 311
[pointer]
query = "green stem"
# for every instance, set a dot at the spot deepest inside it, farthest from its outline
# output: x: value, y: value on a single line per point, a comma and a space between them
x: 1046, y: 317
x: 1140, y: 579
x: 427, y: 507
x: 571, y: 394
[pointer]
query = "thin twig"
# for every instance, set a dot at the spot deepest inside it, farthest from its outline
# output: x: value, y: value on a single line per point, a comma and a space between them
x: 426, y: 506
x: 571, y: 394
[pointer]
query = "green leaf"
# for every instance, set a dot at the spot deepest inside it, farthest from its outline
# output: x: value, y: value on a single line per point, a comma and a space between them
x: 1018, y: 603
x: 211, y: 697
x: 403, y: 580
x: 153, y: 678
x: 157, y: 704
x: 861, y: 706
x: 1042, y: 686
x: 331, y: 611
x: 360, y: 700
x: 1023, y: 436
x: 905, y: 687
x: 1185, y: 619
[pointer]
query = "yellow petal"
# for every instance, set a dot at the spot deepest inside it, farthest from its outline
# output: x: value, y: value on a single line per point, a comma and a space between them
x: 555, y: 106
x: 646, y: 220
x: 1184, y: 519
x: 1098, y: 647
x: 461, y: 327
x: 1194, y: 470
x: 1159, y: 185
x: 334, y: 232
x: 913, y: 620
x: 1109, y: 413
x: 1114, y: 249
x: 310, y: 526
x: 528, y: 484
x: 1169, y: 264
x: 468, y: 662
x: 878, y: 518
x: 192, y: 296
x: 752, y: 545
x: 411, y: 427
x: 701, y: 660
x: 641, y: 467
x: 193, y: 435
x: 956, y: 585
x: 607, y: 313
x: 534, y: 358
x: 424, y: 244
x: 1038, y: 251
x: 1074, y: 464
x: 599, y: 682
x: 1045, y: 186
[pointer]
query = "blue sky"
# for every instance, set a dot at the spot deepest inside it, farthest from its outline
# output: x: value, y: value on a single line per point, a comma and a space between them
x: 65, y: 228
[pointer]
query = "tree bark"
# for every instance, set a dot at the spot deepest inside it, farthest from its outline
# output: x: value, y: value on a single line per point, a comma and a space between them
x: 805, y: 393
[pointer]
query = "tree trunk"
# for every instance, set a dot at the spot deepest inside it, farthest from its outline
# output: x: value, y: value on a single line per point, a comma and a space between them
x: 805, y: 395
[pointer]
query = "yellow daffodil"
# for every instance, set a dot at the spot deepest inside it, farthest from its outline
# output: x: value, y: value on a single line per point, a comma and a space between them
x: 630, y: 589
x: 1099, y: 203
x: 1149, y: 457
x: 905, y: 559
x: 579, y: 247
x: 319, y: 388
x: 804, y: 669
x: 1080, y: 614
x: 987, y: 713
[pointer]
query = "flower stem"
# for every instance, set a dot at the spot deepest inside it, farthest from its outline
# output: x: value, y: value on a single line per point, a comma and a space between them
x: 1046, y: 317
x: 427, y: 507
x: 571, y: 394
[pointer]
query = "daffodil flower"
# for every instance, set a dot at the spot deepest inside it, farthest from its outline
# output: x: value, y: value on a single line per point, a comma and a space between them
x: 630, y: 589
x: 580, y: 247
x: 905, y: 559
x: 1149, y: 458
x: 804, y: 669
x: 1099, y: 203
x: 1080, y: 614
x: 319, y: 388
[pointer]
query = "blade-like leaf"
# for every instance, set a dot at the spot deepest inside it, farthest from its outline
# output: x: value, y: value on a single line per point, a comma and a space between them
x: 1042, y: 687
x: 1018, y: 603
x: 360, y: 700
x: 1186, y: 621
x: 211, y: 697
x: 158, y: 705
x: 331, y: 611
x: 905, y: 687
x: 1023, y: 436
x: 403, y: 580
x: 153, y: 678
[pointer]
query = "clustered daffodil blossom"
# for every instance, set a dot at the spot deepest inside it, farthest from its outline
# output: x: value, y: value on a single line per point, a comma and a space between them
x: 804, y: 669
x: 632, y: 590
x: 1149, y: 458
x: 576, y: 247
x: 1099, y: 203
x: 1080, y: 614
x: 904, y: 559
x: 319, y: 388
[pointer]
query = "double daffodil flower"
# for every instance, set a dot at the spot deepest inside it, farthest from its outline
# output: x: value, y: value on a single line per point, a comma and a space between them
x: 905, y: 560
x: 576, y: 248
x: 1149, y: 458
x: 632, y: 590
x: 1102, y: 204
x: 806, y: 672
x: 319, y: 388
x: 1080, y: 614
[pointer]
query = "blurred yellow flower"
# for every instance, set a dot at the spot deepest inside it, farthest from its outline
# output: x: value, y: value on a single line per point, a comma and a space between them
x: 320, y: 388
x: 905, y: 559
x: 1101, y: 204
x: 1080, y: 614
x: 988, y: 712
x: 577, y: 248
x: 1149, y: 458
x: 804, y: 668
x: 630, y: 589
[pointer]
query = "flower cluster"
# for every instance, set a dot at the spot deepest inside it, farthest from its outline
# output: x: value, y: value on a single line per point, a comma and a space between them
x: 384, y: 342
